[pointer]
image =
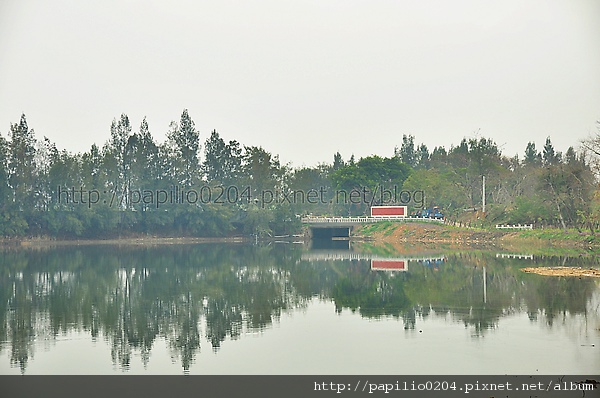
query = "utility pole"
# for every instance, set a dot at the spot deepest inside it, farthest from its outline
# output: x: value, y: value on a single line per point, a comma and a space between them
x: 483, y: 195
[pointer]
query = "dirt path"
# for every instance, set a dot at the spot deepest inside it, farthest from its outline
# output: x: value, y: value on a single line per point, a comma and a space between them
x: 563, y: 271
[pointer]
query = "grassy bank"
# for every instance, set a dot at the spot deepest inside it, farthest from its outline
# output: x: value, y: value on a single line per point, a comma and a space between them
x: 392, y: 234
x: 559, y: 235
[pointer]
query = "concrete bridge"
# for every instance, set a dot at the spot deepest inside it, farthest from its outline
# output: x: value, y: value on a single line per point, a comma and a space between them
x: 341, y: 227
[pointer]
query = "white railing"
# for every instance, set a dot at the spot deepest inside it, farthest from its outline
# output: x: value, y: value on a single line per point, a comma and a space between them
x: 335, y: 219
x: 514, y: 226
x: 360, y: 220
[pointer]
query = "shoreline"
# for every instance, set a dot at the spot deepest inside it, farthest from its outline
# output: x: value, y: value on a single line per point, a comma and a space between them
x: 125, y: 241
x: 388, y: 234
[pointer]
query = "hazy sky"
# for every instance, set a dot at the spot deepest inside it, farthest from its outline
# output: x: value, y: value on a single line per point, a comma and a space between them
x: 305, y: 78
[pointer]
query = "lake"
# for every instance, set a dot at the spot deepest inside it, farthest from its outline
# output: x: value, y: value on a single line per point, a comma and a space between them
x: 285, y: 308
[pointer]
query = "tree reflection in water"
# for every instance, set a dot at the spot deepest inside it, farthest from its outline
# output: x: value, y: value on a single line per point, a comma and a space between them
x: 133, y: 296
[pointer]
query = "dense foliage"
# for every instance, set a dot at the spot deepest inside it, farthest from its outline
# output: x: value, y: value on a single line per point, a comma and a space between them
x: 133, y: 185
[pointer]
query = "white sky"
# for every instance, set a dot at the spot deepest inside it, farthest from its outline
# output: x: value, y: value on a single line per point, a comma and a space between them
x: 305, y: 79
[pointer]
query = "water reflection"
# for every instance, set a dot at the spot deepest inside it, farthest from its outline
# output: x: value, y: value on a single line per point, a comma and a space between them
x: 132, y: 296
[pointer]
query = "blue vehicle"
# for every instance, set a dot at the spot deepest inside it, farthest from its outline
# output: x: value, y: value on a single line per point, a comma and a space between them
x: 432, y: 212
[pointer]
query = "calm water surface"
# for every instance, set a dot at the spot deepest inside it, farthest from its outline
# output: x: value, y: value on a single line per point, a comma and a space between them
x: 285, y: 309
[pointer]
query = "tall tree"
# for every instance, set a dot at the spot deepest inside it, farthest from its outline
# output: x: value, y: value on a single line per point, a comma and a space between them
x: 312, y: 179
x: 222, y: 161
x: 550, y: 156
x: 532, y: 156
x: 214, y: 152
x: 337, y: 161
x: 22, y: 164
x: 92, y: 171
x: 570, y: 156
x: 120, y: 131
x: 46, y: 153
x: 185, y: 141
x: 438, y: 158
x: 422, y: 157
x: 4, y: 172
x: 407, y: 153
x: 233, y: 161
x: 262, y: 169
x: 484, y: 155
x: 143, y: 154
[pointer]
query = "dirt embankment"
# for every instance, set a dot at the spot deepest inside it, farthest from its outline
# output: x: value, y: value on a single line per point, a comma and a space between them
x: 564, y: 271
x: 427, y: 233
x: 453, y: 237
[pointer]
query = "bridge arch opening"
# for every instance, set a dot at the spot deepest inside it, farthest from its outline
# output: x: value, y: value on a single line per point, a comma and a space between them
x: 330, y: 233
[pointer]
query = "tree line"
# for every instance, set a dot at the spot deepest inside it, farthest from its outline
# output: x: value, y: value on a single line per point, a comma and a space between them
x: 186, y: 186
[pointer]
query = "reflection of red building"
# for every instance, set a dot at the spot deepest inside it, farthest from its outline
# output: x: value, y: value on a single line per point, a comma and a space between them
x: 389, y: 265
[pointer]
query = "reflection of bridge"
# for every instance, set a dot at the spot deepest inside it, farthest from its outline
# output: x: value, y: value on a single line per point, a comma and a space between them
x: 350, y: 255
x: 517, y: 256
x: 378, y: 263
x: 344, y: 255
